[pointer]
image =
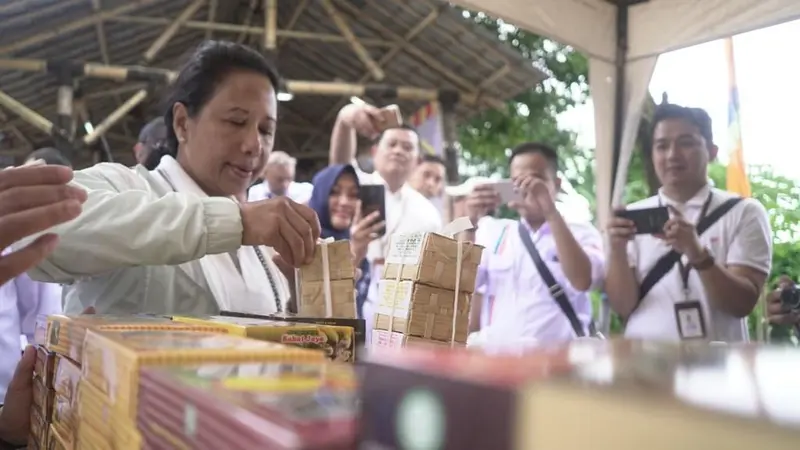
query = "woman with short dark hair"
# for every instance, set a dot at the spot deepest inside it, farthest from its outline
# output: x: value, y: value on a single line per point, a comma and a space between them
x: 180, y: 238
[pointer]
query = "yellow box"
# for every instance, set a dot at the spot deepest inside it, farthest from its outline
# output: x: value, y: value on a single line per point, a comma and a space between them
x: 67, y: 376
x: 337, y: 342
x: 113, y: 359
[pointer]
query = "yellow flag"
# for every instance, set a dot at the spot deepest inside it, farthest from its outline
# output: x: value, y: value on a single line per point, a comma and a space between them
x: 737, y: 180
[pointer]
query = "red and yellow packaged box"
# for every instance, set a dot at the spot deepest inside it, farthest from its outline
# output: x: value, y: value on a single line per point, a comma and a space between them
x: 67, y: 376
x: 66, y: 334
x: 337, y: 342
x: 313, y: 405
x: 39, y: 428
x: 56, y: 441
x: 113, y: 359
x: 43, y: 368
x: 43, y: 399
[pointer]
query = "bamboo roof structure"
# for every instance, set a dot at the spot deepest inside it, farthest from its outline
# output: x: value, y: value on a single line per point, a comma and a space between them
x: 327, y: 51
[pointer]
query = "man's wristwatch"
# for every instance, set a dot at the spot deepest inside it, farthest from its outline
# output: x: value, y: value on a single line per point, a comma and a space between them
x: 705, y: 262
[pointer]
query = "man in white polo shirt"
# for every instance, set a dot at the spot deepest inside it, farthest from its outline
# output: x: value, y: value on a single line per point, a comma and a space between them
x: 704, y: 275
x: 395, y: 153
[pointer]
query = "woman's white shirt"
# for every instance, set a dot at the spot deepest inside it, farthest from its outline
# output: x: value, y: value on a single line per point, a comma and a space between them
x: 138, y: 244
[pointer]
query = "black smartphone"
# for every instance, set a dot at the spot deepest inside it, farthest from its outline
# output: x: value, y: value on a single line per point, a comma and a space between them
x: 373, y: 198
x: 647, y: 220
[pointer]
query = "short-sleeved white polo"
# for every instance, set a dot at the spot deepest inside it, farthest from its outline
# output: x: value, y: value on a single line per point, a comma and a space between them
x: 741, y: 237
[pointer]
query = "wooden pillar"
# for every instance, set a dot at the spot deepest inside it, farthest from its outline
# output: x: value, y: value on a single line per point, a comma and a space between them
x: 65, y: 113
x: 448, y: 101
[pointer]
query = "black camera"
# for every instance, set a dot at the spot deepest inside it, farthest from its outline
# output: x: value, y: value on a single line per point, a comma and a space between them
x: 790, y: 299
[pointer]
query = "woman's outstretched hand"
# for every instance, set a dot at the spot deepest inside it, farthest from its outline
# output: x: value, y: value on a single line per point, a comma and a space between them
x: 290, y: 228
x: 363, y: 231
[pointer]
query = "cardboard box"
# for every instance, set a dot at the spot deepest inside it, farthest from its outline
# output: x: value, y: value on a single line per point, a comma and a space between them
x: 422, y: 311
x: 43, y: 368
x: 337, y: 342
x: 431, y: 258
x: 343, y: 299
x: 43, y: 399
x: 340, y: 263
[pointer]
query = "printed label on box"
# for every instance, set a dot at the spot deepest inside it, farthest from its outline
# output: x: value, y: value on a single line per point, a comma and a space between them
x: 402, y: 302
x: 405, y: 248
x: 386, y: 339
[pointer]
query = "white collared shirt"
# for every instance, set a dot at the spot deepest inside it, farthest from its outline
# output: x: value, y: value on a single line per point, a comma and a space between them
x: 517, y: 302
x: 741, y: 237
x: 299, y: 192
x: 407, y: 211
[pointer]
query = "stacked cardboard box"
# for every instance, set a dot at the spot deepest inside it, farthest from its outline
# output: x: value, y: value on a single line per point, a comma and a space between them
x: 418, y: 303
x: 43, y: 396
x: 332, y: 267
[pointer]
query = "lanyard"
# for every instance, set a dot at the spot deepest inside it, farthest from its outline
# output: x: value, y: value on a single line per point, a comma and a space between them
x: 685, y: 269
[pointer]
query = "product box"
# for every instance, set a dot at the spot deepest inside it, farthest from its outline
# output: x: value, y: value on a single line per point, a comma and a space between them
x: 356, y: 324
x: 56, y: 441
x: 270, y: 405
x: 339, y: 263
x: 65, y: 399
x: 66, y: 333
x: 337, y: 342
x: 43, y: 399
x: 415, y: 310
x: 43, y: 368
x: 343, y: 299
x: 432, y: 259
x: 112, y: 359
x: 39, y: 428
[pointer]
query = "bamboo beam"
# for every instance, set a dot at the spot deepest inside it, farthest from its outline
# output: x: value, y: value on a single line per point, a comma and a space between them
x: 409, y: 36
x: 25, y: 113
x: 298, y: 11
x: 13, y: 7
x: 492, y: 79
x: 358, y: 49
x: 102, y: 43
x: 67, y: 28
x: 248, y: 19
x: 115, y: 117
x: 270, y: 24
x: 5, y: 124
x: 423, y: 57
x: 212, y: 17
x: 164, y: 38
x: 235, y: 28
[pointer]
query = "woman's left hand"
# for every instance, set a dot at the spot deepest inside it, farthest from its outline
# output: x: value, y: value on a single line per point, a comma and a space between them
x: 362, y: 232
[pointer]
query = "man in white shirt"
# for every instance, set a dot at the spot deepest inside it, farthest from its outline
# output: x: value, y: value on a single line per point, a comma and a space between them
x: 522, y: 301
x: 716, y: 272
x: 279, y: 180
x: 395, y: 153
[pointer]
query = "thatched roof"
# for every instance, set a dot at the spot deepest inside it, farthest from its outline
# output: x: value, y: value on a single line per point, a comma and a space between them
x: 418, y: 43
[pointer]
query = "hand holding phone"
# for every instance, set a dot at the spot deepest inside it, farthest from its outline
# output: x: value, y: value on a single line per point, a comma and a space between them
x: 373, y: 198
x: 646, y: 220
x: 507, y: 191
x: 390, y: 117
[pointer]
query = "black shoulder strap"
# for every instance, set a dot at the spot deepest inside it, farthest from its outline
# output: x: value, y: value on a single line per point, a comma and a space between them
x: 665, y: 263
x: 552, y: 285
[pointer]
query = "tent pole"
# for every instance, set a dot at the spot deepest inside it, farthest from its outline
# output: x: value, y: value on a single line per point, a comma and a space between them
x: 619, y: 90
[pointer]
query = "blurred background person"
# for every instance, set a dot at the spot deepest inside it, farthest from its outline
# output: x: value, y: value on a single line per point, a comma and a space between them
x: 335, y: 200
x: 153, y: 135
x: 428, y: 177
x: 278, y: 180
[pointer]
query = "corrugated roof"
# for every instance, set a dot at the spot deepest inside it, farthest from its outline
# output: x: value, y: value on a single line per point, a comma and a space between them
x: 449, y: 53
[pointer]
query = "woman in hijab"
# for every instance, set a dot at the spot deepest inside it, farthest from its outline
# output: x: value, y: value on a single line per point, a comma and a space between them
x: 180, y: 239
x: 335, y: 200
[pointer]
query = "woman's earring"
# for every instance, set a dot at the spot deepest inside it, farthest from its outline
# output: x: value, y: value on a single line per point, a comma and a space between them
x: 181, y: 139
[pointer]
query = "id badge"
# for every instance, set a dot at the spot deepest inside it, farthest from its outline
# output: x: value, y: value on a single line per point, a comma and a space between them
x: 690, y: 320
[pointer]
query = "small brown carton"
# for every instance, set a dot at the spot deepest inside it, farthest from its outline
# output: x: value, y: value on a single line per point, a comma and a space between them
x: 333, y: 255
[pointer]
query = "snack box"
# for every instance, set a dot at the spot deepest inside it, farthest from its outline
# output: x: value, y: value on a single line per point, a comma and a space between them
x: 113, y: 358
x: 336, y: 342
x: 95, y: 415
x: 271, y: 405
x: 66, y: 334
x: 67, y: 376
x: 358, y: 325
x: 43, y: 399
x: 43, y: 368
x: 56, y: 441
x: 441, y: 387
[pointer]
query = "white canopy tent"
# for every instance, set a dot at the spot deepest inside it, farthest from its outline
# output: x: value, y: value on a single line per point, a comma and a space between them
x: 623, y: 39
